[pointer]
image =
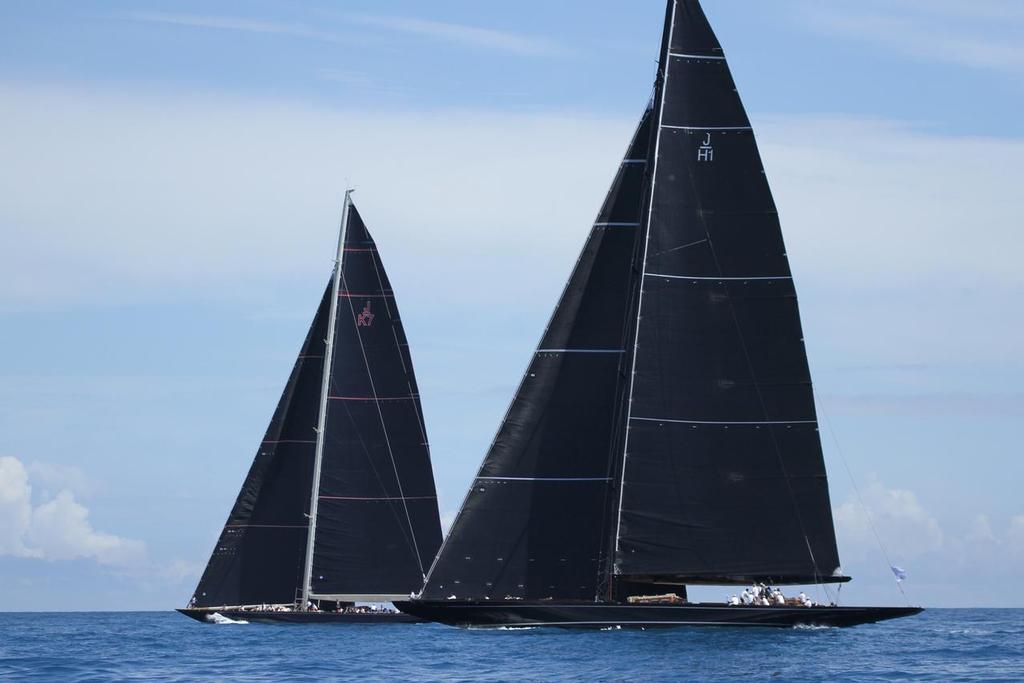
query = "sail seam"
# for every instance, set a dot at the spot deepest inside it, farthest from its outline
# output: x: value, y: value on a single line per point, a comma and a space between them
x: 705, y: 127
x: 726, y: 422
x: 686, y: 56
x: 706, y: 277
x: 616, y: 225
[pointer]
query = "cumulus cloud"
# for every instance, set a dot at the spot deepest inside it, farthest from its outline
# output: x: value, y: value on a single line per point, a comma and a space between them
x: 56, y: 529
x: 897, y: 515
x: 15, y: 509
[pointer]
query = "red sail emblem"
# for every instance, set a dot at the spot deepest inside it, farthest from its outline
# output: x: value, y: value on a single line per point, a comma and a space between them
x: 365, y: 318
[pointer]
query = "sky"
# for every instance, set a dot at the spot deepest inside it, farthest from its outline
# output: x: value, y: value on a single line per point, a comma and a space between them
x: 170, y: 190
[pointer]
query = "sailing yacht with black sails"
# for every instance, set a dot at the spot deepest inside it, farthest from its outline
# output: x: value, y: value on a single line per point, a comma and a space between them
x: 665, y: 432
x: 339, y: 505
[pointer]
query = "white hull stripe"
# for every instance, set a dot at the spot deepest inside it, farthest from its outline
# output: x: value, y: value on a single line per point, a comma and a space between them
x: 706, y: 127
x: 543, y: 479
x: 704, y: 277
x: 623, y: 622
x: 712, y: 422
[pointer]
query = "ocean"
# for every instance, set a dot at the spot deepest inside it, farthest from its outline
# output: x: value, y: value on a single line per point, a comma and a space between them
x: 938, y: 645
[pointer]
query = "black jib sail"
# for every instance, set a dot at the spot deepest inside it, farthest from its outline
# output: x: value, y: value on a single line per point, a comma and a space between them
x: 260, y: 553
x: 535, y: 522
x: 665, y: 431
x: 375, y: 515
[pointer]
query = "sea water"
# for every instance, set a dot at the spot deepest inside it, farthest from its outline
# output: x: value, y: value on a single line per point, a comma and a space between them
x: 939, y: 645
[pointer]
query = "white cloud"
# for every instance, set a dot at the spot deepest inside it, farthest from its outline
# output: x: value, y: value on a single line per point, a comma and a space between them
x: 53, y: 477
x: 906, y: 529
x: 445, y: 32
x: 289, y: 29
x: 57, y: 529
x: 984, y: 35
x: 113, y: 198
x: 1015, y: 535
x: 15, y: 509
x: 464, y: 35
x: 61, y: 531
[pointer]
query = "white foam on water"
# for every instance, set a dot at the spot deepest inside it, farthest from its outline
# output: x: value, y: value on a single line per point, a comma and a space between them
x: 218, y: 618
x: 811, y: 627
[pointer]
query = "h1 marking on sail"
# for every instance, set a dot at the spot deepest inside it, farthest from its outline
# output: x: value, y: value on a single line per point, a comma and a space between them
x: 706, y: 152
x: 365, y: 318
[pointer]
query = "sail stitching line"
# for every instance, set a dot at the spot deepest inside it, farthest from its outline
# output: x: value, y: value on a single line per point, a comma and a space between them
x: 704, y: 277
x: 686, y: 56
x: 380, y: 414
x: 706, y: 127
x: 643, y: 269
x: 727, y: 422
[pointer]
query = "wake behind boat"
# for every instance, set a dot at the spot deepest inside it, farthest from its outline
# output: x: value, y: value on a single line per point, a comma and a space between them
x: 339, y: 505
x: 665, y: 431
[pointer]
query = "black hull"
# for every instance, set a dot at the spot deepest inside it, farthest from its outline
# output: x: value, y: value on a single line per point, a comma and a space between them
x: 260, y: 617
x: 517, y: 614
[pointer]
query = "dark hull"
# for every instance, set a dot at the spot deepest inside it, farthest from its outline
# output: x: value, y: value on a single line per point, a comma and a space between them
x: 257, y: 617
x: 592, y: 615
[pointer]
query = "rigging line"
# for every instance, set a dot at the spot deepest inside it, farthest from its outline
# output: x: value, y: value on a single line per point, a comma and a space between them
x: 757, y: 389
x: 860, y: 499
x: 383, y: 424
x: 685, y: 246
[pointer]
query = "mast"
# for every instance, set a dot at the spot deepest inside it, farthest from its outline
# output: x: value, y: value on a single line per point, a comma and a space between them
x: 659, y: 105
x: 307, y: 574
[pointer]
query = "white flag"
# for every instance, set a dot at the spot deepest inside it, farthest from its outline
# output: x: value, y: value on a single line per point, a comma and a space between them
x: 900, y: 574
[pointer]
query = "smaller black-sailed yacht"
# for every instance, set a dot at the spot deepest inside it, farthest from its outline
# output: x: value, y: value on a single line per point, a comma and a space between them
x: 339, y: 505
x: 665, y: 432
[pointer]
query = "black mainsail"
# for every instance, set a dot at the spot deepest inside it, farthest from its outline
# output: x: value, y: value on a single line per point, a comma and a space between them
x: 354, y: 438
x: 723, y: 478
x: 664, y: 432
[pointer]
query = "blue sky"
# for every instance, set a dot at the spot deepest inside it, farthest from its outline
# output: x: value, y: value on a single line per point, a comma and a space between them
x: 168, y: 203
